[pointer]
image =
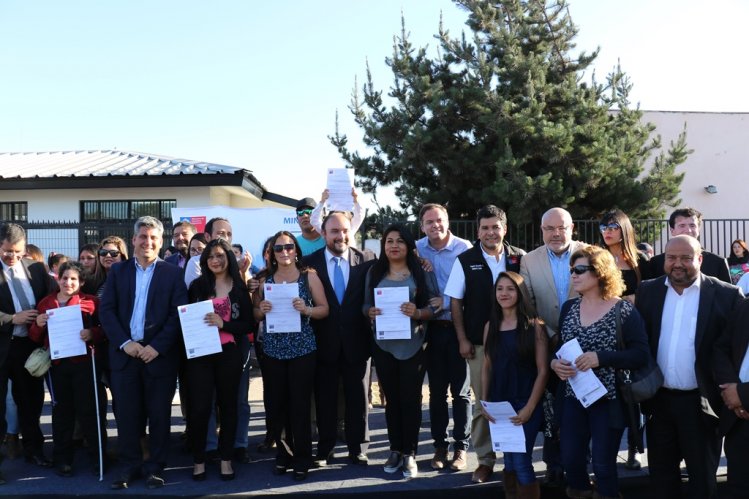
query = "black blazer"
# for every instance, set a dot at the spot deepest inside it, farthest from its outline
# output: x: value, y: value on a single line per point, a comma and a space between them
x: 730, y: 349
x: 717, y: 301
x: 345, y: 331
x: 162, y: 331
x: 42, y: 285
x: 712, y: 265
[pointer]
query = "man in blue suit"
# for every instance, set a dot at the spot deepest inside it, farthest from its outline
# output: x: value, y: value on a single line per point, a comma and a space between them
x: 139, y: 316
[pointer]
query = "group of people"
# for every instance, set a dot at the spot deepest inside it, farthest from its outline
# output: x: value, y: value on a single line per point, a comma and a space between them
x: 486, y: 321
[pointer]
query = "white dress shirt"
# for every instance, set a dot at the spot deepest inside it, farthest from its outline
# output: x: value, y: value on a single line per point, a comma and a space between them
x: 345, y: 266
x: 676, y: 347
x: 456, y: 283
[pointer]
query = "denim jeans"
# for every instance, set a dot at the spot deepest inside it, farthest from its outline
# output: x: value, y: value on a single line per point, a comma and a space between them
x: 522, y: 462
x: 579, y: 426
x: 11, y: 413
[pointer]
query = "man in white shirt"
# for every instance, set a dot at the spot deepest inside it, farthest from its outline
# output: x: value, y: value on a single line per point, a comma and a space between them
x: 684, y: 312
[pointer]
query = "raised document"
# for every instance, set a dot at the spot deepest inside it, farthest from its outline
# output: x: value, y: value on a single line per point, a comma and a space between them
x: 282, y: 318
x: 64, y: 327
x: 585, y: 384
x: 339, y: 185
x: 506, y: 435
x: 200, y: 338
x: 392, y: 324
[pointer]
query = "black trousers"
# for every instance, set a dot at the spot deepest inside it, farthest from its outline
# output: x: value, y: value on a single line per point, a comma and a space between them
x: 402, y: 381
x: 217, y: 373
x: 28, y: 393
x: 736, y: 445
x: 354, y: 377
x: 73, y: 385
x: 138, y: 397
x: 676, y: 430
x: 288, y: 398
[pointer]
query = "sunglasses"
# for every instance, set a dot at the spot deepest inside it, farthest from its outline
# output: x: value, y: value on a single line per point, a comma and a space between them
x: 112, y: 253
x: 306, y: 211
x: 581, y: 269
x: 278, y: 248
x: 611, y: 226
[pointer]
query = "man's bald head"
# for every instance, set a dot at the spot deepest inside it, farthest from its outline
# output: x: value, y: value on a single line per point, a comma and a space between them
x: 556, y: 230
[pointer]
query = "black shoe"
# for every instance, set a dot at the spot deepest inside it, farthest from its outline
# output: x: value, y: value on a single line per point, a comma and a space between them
x: 360, y: 458
x: 211, y: 456
x: 554, y: 478
x: 2, y: 479
x: 64, y: 470
x: 241, y: 455
x: 227, y: 477
x: 322, y: 461
x: 199, y: 477
x: 39, y: 460
x: 267, y: 445
x: 121, y: 483
x: 300, y: 475
x: 154, y: 481
x: 280, y: 469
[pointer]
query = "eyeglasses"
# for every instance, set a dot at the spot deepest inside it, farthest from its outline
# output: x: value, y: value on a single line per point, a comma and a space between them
x: 278, y: 248
x: 196, y: 251
x: 549, y: 228
x: 611, y: 226
x: 581, y: 269
x: 17, y: 254
x: 306, y: 211
x: 113, y: 253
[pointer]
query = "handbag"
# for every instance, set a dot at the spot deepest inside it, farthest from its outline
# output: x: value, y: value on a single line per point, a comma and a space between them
x: 641, y: 384
x: 38, y: 362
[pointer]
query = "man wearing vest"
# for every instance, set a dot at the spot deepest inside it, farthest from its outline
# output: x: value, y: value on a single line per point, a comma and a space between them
x: 469, y: 287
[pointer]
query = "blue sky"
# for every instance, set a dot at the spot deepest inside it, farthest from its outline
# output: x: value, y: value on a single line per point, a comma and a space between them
x: 257, y: 84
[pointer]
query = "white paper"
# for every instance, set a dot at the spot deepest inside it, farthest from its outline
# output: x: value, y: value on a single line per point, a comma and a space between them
x: 506, y: 435
x: 585, y: 384
x: 64, y: 326
x: 200, y: 338
x: 282, y: 318
x: 392, y: 324
x: 340, y: 183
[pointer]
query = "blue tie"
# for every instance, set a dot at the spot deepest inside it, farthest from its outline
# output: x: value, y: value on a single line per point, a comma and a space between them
x: 339, y: 285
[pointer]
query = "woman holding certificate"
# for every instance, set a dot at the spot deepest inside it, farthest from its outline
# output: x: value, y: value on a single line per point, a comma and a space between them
x: 72, y: 379
x: 221, y: 283
x: 397, y: 300
x: 516, y: 369
x: 289, y: 348
x: 591, y: 320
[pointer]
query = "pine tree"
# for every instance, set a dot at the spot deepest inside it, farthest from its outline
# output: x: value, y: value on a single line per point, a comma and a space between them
x: 505, y: 117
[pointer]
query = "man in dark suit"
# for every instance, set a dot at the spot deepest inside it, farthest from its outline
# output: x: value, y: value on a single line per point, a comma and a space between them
x: 181, y: 235
x: 343, y: 341
x: 22, y: 284
x: 139, y: 316
x: 470, y: 289
x: 687, y: 221
x: 684, y: 312
x: 731, y: 367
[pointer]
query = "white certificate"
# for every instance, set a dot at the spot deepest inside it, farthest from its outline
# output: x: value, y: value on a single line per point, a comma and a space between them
x: 506, y: 435
x: 200, y: 338
x: 64, y: 326
x: 392, y: 324
x: 282, y: 318
x: 340, y: 183
x: 585, y: 384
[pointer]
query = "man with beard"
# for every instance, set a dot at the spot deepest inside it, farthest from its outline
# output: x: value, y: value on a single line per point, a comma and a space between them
x: 684, y: 312
x: 470, y: 287
x: 343, y: 341
x: 181, y: 235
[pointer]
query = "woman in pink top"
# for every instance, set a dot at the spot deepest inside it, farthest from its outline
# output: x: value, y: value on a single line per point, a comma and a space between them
x: 220, y: 282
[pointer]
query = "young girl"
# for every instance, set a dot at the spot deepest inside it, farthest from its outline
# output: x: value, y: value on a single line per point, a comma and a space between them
x: 72, y: 379
x: 516, y: 370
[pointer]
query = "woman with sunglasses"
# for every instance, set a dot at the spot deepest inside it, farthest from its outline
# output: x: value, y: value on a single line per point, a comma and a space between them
x: 401, y: 363
x: 290, y: 358
x: 618, y: 236
x: 219, y: 373
x: 592, y: 320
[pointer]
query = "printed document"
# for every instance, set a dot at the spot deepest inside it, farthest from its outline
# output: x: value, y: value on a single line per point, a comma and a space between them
x: 200, y: 338
x: 64, y: 326
x: 340, y: 183
x: 585, y: 384
x: 392, y: 324
x: 506, y: 435
x: 282, y: 318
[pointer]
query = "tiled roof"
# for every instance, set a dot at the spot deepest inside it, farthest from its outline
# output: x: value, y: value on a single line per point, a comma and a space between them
x: 101, y: 164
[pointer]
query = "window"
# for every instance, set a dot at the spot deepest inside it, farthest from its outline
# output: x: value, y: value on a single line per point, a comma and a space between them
x: 15, y: 211
x: 112, y: 211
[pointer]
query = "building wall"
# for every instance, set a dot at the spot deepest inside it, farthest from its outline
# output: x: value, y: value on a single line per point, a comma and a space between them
x: 721, y: 158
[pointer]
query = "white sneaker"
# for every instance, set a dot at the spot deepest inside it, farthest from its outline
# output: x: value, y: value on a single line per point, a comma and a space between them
x: 394, y: 462
x: 410, y: 470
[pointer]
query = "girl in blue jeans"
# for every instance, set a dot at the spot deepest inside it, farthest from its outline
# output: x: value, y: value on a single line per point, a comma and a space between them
x: 515, y: 370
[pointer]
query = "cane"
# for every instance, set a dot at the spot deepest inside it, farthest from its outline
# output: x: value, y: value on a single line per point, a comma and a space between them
x: 98, y: 418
